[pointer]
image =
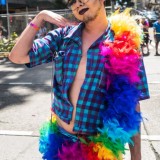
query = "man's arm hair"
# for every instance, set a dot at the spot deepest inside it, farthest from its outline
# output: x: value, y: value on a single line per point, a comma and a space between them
x: 19, y: 53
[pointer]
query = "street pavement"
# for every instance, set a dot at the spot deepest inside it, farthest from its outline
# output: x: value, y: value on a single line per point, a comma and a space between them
x: 25, y: 102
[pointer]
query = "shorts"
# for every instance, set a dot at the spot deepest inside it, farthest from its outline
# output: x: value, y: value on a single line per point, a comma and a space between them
x: 157, y: 38
x: 145, y: 39
x: 57, y: 144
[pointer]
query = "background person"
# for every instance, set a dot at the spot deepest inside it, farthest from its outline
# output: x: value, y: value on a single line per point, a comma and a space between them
x: 1, y: 34
x: 42, y: 31
x: 145, y: 27
x: 156, y: 30
x: 29, y: 20
x: 3, y: 29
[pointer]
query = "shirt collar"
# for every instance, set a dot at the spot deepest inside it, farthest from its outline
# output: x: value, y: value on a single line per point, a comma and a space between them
x: 76, y: 33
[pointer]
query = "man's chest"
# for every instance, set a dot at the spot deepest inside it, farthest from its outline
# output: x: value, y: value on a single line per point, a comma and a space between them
x: 75, y: 65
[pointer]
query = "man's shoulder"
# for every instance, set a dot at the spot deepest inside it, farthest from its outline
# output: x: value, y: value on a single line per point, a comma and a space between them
x: 66, y: 31
x: 71, y: 30
x: 156, y: 23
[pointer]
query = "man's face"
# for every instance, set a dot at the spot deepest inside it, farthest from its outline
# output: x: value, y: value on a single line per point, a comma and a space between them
x: 86, y: 10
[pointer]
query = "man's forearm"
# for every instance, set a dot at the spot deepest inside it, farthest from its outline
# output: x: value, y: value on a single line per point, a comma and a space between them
x: 136, y: 149
x: 19, y: 53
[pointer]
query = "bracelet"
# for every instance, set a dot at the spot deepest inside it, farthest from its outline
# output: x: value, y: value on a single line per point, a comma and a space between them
x: 34, y: 26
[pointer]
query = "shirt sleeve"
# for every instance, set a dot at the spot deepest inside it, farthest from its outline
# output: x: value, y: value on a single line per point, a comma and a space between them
x: 43, y: 50
x: 154, y: 25
x: 142, y: 85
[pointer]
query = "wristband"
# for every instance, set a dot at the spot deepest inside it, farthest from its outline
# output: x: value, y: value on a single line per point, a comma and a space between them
x: 34, y: 26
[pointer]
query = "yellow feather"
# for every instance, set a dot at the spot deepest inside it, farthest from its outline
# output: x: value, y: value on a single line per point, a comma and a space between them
x: 121, y: 22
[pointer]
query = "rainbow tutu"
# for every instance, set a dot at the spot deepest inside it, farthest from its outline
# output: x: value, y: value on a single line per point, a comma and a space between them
x: 57, y: 144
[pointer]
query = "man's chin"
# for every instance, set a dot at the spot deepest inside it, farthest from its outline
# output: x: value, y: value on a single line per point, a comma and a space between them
x: 89, y: 19
x: 86, y: 19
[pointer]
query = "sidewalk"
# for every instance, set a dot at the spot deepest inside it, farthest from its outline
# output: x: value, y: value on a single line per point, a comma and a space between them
x: 19, y: 148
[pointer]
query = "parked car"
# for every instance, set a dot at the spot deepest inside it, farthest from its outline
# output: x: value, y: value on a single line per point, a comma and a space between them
x: 151, y: 16
x: 135, y: 12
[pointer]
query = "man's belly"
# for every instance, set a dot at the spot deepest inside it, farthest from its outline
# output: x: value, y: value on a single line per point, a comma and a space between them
x: 65, y: 126
x: 74, y: 94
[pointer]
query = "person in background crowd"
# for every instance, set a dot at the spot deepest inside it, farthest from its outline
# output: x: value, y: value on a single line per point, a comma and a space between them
x: 29, y: 20
x: 1, y: 34
x: 89, y: 94
x: 42, y: 31
x: 3, y: 28
x: 145, y: 27
x: 156, y: 30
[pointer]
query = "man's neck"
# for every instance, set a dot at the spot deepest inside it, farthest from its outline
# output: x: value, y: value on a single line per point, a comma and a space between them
x: 98, y: 25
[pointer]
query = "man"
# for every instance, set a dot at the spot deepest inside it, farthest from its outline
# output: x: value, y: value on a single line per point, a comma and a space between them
x: 29, y: 20
x: 3, y: 29
x: 42, y: 32
x: 145, y: 26
x: 1, y: 34
x: 156, y: 29
x: 79, y: 89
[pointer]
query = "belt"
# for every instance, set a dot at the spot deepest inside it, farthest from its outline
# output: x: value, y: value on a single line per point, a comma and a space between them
x: 74, y: 137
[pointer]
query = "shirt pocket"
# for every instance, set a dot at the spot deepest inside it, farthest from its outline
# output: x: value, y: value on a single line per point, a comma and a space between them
x: 59, y: 60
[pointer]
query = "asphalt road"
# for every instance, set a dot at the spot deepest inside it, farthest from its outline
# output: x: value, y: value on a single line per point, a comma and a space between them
x: 25, y: 100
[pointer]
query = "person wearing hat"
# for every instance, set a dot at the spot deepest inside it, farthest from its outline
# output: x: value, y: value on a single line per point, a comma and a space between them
x: 99, y: 80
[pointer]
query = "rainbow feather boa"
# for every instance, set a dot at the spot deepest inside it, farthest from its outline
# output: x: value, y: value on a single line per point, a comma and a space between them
x: 120, y: 120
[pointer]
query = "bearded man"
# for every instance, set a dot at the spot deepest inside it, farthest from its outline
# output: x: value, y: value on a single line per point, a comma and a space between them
x: 83, y: 85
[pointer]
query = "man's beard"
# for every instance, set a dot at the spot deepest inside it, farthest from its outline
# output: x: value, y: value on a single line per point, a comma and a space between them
x: 90, y: 18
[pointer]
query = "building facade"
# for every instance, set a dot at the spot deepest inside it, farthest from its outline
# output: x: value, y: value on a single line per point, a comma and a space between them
x: 15, y: 6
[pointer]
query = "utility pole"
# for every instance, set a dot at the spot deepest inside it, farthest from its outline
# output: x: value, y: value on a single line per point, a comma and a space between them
x: 112, y: 6
x: 135, y: 4
x: 8, y: 24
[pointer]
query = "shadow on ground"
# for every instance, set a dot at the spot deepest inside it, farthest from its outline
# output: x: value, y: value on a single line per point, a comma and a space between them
x: 17, y: 82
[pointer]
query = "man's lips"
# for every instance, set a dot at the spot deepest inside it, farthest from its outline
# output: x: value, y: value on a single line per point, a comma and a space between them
x: 81, y: 12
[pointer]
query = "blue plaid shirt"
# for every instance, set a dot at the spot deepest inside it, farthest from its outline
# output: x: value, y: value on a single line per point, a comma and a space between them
x: 67, y: 43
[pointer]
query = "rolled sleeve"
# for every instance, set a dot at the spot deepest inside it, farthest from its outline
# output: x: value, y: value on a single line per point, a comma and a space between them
x: 43, y: 50
x: 143, y: 85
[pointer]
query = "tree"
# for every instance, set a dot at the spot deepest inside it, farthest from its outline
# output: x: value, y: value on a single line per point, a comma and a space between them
x: 59, y: 4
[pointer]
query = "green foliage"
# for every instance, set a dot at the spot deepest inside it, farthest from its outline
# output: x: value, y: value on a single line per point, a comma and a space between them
x: 59, y: 4
x: 6, y: 45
